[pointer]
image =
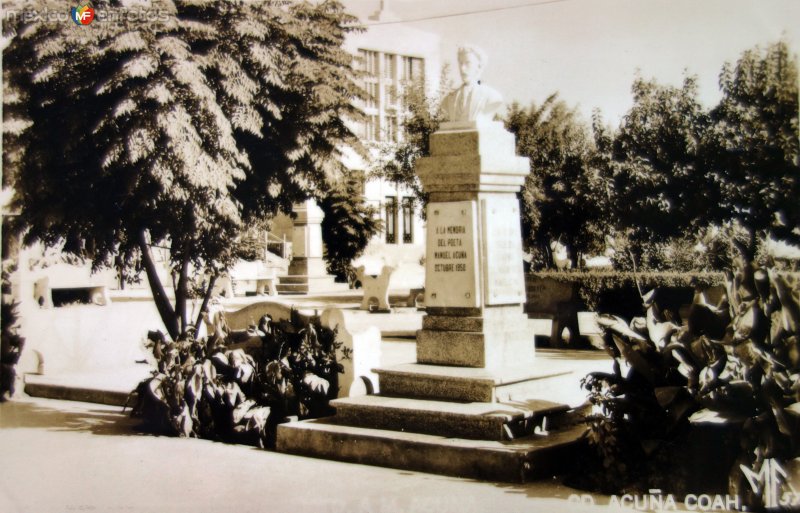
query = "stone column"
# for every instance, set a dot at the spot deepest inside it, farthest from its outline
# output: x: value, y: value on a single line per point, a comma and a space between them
x: 307, y: 240
x: 474, y: 281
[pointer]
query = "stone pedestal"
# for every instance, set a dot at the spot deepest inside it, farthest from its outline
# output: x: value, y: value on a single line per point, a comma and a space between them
x: 307, y: 270
x: 474, y: 281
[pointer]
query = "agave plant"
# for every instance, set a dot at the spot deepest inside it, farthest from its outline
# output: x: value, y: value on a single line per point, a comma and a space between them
x: 239, y: 392
x: 739, y: 358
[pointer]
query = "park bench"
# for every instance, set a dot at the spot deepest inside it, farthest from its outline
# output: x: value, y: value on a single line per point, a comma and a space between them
x: 69, y: 283
x: 376, y: 289
x: 253, y: 275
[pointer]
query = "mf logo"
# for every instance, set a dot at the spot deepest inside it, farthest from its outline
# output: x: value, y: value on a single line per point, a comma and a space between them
x: 767, y: 481
x: 82, y: 15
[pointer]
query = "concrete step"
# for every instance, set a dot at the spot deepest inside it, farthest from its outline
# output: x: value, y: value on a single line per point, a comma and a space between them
x: 522, y: 460
x: 478, y: 421
x: 297, y: 284
x: 87, y: 395
x: 504, y: 384
x: 301, y: 279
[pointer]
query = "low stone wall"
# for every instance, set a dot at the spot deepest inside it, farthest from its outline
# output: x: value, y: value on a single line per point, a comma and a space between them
x: 561, y: 295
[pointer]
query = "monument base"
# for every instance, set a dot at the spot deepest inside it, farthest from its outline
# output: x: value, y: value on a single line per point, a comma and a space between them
x: 519, y: 461
x: 469, y: 423
x: 470, y: 337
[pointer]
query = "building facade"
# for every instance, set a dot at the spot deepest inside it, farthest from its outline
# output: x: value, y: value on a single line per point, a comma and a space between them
x: 391, y: 57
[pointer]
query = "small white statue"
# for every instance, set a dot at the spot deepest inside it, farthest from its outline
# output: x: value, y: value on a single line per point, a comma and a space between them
x: 472, y: 101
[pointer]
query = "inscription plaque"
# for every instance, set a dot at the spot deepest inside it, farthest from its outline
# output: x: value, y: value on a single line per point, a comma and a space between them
x: 504, y: 280
x: 451, y: 279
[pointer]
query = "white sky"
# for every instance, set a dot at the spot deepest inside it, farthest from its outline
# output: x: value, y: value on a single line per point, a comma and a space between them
x: 589, y: 50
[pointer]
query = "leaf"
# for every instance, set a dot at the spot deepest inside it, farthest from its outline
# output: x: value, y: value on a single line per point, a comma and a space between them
x: 245, y: 373
x: 184, y: 422
x: 635, y: 358
x: 233, y: 395
x: 194, y: 386
x: 316, y: 383
x: 666, y: 395
x: 241, y: 410
x: 618, y: 325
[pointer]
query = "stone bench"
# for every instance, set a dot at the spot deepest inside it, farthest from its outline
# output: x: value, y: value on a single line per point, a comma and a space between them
x: 363, y: 345
x: 264, y: 278
x: 359, y: 377
x: 74, y: 281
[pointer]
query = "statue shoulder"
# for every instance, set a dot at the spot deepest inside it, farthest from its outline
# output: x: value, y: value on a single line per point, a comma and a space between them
x: 493, y: 95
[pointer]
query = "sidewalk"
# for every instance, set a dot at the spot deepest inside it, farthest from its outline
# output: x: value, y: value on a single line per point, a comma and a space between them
x: 61, y: 456
x: 112, y: 386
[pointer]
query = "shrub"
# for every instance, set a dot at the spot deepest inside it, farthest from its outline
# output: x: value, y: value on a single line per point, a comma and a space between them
x: 739, y: 359
x: 239, y: 392
x: 11, y: 342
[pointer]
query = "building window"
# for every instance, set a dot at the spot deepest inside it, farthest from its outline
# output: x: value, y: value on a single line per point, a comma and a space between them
x: 385, y: 78
x: 373, y: 95
x: 413, y: 69
x: 389, y: 66
x: 391, y: 128
x: 369, y: 62
x: 393, y: 95
x: 391, y: 220
x: 372, y: 128
x: 408, y: 220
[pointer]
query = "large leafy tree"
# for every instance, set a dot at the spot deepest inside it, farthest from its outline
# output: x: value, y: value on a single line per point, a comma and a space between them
x: 752, y: 148
x: 564, y: 198
x: 657, y: 167
x: 680, y: 170
x: 177, y: 132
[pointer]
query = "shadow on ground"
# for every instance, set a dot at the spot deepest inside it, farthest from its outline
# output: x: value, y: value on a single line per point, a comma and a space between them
x: 23, y: 414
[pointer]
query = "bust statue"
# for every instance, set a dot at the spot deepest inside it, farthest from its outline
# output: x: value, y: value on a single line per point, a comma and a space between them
x: 472, y: 101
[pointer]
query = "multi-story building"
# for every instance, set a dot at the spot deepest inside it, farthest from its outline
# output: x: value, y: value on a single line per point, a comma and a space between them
x: 392, y: 57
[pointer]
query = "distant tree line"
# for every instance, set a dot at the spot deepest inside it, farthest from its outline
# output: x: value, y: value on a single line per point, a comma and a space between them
x: 673, y: 176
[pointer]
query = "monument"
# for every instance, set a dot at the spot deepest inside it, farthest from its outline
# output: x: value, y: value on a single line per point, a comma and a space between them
x: 474, y: 282
x: 307, y: 270
x: 470, y: 405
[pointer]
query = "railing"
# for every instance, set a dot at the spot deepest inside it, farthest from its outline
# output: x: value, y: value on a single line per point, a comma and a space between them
x: 278, y: 245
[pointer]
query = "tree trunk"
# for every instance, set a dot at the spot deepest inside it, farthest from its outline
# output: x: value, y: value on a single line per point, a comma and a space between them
x: 206, y: 299
x: 160, y: 298
x: 181, y: 293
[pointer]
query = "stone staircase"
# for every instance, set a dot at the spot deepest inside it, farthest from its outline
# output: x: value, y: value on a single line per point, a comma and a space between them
x: 304, y: 284
x: 448, y: 420
x: 308, y: 275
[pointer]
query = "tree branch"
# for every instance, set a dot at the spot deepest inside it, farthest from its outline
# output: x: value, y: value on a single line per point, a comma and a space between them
x: 206, y: 299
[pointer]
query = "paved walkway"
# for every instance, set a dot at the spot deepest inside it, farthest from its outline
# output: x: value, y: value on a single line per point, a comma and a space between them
x: 64, y: 456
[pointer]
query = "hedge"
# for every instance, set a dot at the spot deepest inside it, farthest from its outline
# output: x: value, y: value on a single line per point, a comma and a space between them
x: 616, y: 292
